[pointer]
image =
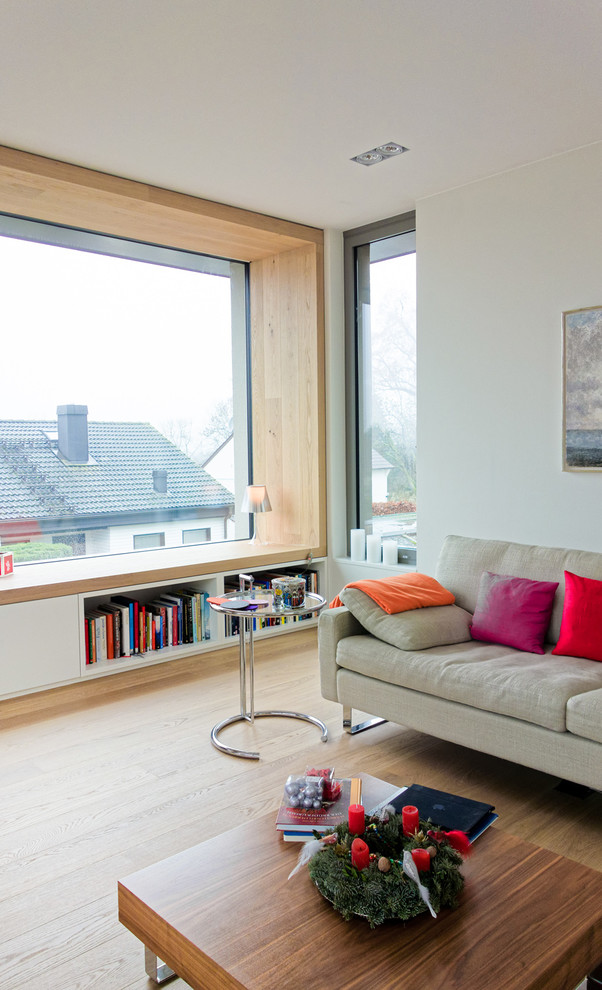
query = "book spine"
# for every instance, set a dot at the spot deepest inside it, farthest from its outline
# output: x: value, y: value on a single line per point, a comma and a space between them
x: 110, y: 638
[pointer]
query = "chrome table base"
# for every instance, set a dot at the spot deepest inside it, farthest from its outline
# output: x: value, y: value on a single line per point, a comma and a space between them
x: 247, y: 704
x: 250, y: 718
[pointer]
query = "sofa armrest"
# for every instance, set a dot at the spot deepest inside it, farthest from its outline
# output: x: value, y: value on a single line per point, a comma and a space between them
x: 334, y: 624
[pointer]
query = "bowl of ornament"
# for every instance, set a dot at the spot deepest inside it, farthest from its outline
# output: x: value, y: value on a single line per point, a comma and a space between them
x: 383, y: 871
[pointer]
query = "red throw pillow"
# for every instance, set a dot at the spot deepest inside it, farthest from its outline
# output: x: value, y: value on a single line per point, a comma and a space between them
x: 581, y: 626
x: 513, y: 611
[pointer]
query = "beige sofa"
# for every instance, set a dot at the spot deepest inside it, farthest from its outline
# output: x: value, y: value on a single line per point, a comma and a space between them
x: 422, y: 669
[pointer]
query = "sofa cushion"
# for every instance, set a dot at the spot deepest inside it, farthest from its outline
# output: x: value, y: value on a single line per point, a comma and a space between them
x: 417, y: 629
x: 529, y: 686
x: 463, y: 559
x: 513, y: 611
x: 584, y: 715
x: 580, y: 631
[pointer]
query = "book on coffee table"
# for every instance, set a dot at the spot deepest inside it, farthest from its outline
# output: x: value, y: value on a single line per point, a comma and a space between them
x: 305, y: 821
x: 447, y: 811
x: 299, y: 824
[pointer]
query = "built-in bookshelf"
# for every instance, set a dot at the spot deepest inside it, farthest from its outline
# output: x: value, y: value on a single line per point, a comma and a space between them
x: 124, y: 628
x: 44, y: 608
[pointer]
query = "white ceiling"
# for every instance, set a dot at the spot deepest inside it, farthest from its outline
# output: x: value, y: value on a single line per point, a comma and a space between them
x: 261, y: 103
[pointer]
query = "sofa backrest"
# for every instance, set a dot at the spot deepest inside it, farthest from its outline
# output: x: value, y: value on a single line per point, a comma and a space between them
x: 463, y: 559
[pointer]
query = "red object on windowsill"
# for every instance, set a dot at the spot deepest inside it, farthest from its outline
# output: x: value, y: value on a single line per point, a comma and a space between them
x: 6, y: 563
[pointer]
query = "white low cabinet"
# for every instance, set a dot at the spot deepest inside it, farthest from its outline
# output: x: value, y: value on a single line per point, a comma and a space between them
x: 39, y: 644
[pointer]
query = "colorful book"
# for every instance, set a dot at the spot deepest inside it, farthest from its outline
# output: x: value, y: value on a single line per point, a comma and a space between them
x: 132, y: 605
x: 176, y: 604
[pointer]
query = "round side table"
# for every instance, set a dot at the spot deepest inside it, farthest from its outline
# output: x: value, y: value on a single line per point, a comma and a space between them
x: 313, y: 604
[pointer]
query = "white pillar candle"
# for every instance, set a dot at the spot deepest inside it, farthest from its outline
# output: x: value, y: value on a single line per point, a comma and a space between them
x: 390, y: 552
x: 373, y: 548
x: 358, y: 544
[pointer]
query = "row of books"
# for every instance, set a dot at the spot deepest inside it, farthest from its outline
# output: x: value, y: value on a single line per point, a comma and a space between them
x: 264, y: 581
x: 126, y: 626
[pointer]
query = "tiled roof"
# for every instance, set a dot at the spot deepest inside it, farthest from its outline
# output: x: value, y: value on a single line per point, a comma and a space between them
x: 36, y: 483
x: 378, y: 461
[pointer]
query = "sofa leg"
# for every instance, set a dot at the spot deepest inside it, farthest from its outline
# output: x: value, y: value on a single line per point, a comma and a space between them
x: 361, y: 726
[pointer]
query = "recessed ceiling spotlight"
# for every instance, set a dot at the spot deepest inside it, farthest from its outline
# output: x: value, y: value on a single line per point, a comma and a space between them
x: 388, y: 150
x: 391, y: 149
x: 368, y: 158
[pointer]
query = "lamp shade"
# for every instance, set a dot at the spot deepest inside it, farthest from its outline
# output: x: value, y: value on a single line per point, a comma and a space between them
x: 256, y: 499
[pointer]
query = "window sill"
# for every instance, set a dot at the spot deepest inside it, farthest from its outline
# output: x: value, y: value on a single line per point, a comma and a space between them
x: 53, y: 579
x: 392, y: 568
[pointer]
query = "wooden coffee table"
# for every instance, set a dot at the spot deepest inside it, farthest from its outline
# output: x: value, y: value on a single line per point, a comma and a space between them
x: 223, y: 915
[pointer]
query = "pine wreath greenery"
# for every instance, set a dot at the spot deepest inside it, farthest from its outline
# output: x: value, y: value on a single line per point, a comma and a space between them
x: 383, y: 896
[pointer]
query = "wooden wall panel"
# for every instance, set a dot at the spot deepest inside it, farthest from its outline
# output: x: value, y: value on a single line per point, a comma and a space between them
x: 43, y: 189
x: 288, y: 386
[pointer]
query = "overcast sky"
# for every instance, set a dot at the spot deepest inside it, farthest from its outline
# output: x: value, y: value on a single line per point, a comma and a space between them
x: 130, y: 340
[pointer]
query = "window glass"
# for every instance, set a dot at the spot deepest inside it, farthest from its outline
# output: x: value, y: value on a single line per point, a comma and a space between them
x: 149, y: 541
x: 383, y: 340
x: 124, y: 394
x: 196, y: 536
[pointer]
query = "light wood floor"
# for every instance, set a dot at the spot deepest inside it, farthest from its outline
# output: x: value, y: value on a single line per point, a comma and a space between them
x: 102, y: 779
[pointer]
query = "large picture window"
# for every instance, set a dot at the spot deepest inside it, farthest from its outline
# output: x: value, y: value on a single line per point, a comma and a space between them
x: 124, y: 377
x: 381, y: 320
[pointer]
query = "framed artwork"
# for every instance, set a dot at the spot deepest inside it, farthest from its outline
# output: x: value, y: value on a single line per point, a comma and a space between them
x: 582, y: 389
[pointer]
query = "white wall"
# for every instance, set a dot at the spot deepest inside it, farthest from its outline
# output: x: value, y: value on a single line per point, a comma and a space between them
x: 498, y: 263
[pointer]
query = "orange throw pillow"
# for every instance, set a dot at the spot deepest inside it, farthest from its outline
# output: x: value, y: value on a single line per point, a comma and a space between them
x: 402, y: 592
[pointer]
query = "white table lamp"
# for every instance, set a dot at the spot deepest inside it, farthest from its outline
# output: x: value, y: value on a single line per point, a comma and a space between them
x: 256, y: 499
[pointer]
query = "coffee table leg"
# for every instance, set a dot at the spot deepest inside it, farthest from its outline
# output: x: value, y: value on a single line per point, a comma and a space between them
x: 157, y: 970
x: 594, y: 980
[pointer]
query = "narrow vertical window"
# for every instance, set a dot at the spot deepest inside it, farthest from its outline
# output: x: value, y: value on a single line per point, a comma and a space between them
x: 382, y: 420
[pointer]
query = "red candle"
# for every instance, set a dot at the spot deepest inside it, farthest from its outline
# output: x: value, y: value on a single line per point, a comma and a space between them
x: 357, y: 820
x: 409, y: 819
x: 422, y: 858
x: 360, y: 854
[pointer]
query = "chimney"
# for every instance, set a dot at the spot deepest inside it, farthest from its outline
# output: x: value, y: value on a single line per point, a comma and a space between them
x: 160, y: 480
x: 73, y: 433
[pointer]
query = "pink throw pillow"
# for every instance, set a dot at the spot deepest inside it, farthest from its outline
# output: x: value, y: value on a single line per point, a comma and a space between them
x: 581, y: 626
x: 513, y: 611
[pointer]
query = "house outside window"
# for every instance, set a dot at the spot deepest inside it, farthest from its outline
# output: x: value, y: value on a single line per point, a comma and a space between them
x: 380, y: 275
x: 135, y: 375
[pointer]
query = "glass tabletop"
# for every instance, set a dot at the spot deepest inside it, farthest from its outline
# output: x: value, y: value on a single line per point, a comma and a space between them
x: 263, y: 604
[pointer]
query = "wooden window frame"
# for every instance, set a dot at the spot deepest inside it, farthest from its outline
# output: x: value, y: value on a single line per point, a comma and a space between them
x: 286, y: 318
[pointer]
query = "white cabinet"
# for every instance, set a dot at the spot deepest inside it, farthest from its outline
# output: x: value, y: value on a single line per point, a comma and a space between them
x: 39, y: 644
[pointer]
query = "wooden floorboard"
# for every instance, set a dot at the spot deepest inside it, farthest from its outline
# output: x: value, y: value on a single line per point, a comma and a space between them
x: 104, y: 778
